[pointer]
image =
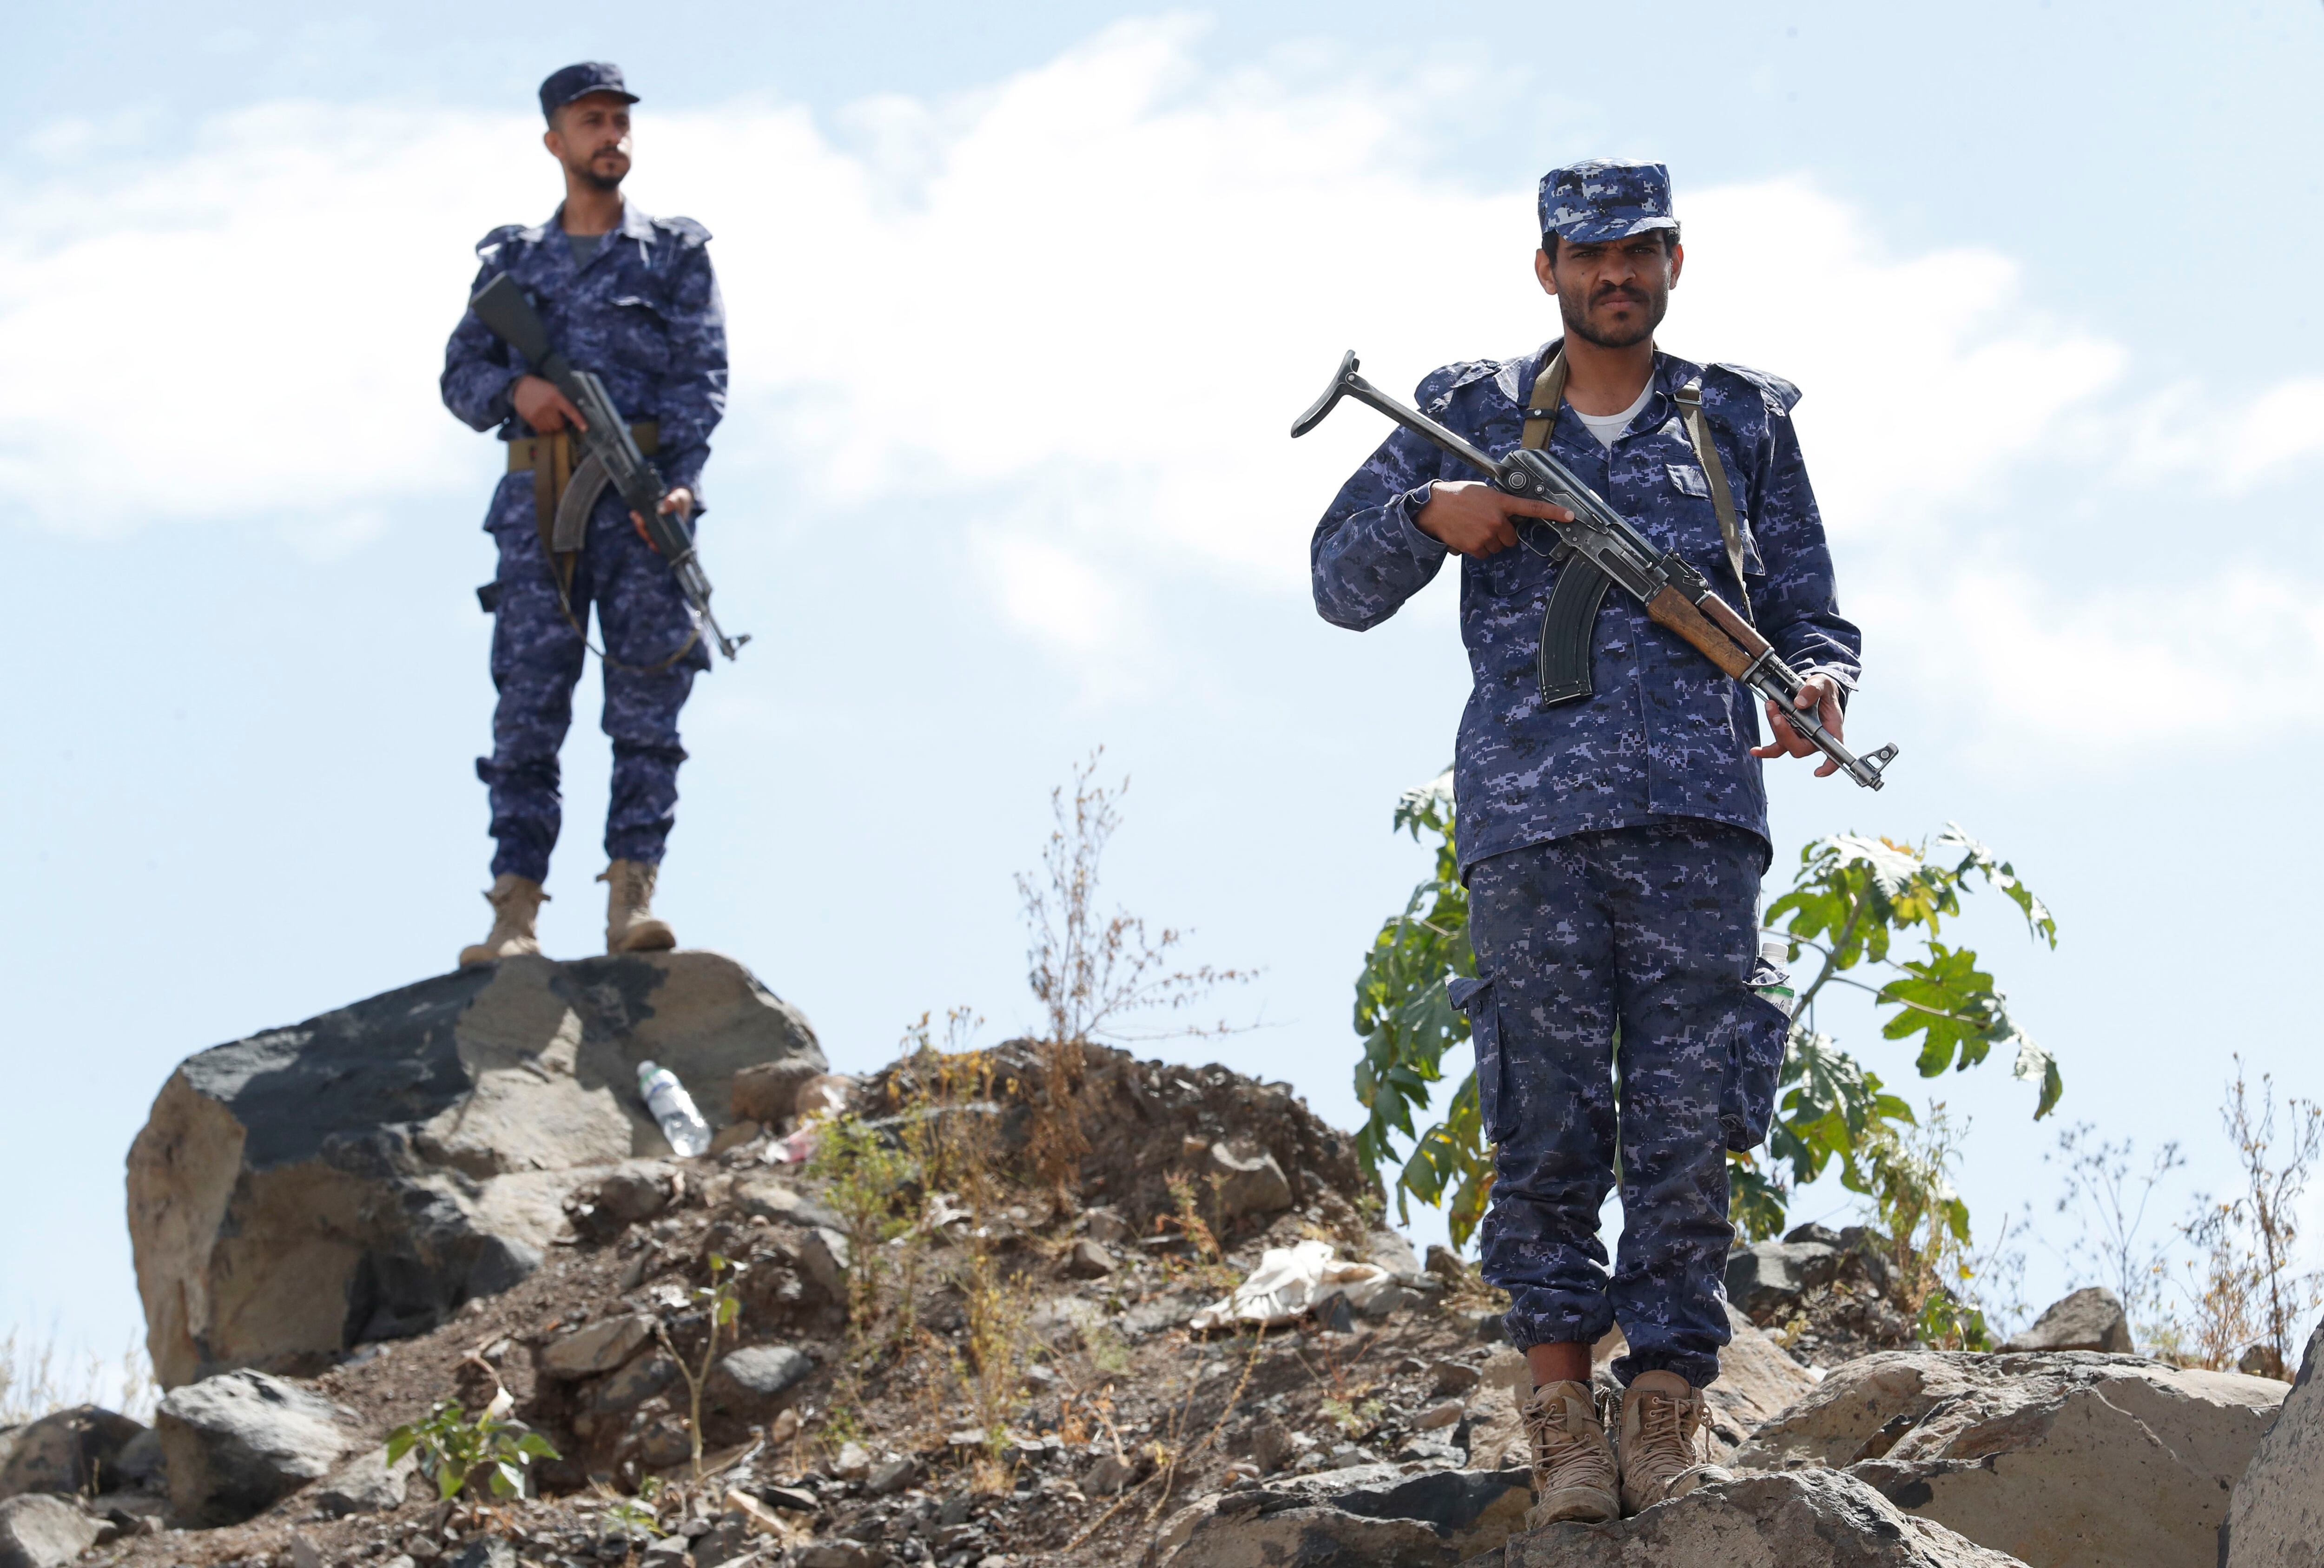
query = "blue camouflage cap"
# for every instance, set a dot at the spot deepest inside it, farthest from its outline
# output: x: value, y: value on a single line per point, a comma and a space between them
x: 578, y: 81
x: 1606, y: 199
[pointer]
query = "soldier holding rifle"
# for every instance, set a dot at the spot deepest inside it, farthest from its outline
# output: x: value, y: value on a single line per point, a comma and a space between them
x: 1612, y: 832
x: 631, y: 299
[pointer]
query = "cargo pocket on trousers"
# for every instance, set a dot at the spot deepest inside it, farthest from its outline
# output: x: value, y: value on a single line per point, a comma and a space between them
x: 1475, y: 998
x: 1755, y: 1060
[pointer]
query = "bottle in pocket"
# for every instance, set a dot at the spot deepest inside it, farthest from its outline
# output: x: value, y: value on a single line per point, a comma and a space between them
x: 1770, y: 978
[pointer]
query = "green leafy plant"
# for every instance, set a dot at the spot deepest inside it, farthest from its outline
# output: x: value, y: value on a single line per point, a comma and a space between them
x: 454, y: 1451
x: 1858, y: 904
x: 1407, y: 1025
x: 720, y: 1308
x: 639, y: 1517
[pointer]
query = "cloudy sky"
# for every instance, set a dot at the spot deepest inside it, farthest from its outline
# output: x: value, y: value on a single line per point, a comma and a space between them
x: 1021, y: 308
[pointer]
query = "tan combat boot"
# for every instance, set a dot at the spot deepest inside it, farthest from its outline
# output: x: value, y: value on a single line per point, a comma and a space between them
x: 1572, y: 1467
x: 516, y: 903
x: 630, y: 923
x: 1662, y: 1420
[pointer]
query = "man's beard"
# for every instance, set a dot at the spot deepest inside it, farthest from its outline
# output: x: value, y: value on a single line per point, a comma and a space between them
x: 1577, y: 322
x: 587, y: 174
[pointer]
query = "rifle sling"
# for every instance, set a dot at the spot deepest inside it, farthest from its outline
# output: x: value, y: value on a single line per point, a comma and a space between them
x: 1722, y: 499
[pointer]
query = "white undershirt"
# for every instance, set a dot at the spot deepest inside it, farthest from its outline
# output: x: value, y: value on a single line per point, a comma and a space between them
x: 1605, y: 427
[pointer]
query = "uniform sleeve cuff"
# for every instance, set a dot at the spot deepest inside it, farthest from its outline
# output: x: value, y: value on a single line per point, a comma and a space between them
x: 1407, y: 508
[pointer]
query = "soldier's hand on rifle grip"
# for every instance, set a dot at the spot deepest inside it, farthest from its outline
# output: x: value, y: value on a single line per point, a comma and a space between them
x: 681, y: 501
x: 1474, y: 518
x: 540, y: 405
x: 1821, y: 693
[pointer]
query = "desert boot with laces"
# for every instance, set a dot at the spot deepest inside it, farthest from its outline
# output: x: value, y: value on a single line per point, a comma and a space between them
x: 1661, y: 1427
x: 1573, y: 1473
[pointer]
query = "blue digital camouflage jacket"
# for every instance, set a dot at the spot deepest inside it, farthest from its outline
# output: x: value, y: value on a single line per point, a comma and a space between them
x: 1665, y: 734
x: 644, y: 314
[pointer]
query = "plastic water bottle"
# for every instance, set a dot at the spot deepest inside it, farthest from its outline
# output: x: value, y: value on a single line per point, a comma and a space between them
x: 1772, y: 979
x: 673, y: 1107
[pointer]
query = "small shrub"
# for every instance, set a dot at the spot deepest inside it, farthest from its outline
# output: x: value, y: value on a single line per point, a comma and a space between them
x: 719, y: 1309
x: 454, y: 1451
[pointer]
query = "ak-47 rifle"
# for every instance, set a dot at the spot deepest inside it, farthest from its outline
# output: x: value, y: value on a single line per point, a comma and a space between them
x: 501, y: 306
x: 1599, y: 547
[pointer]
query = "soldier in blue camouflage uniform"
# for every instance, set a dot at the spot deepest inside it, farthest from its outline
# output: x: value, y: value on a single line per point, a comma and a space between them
x: 631, y: 297
x: 1612, y: 847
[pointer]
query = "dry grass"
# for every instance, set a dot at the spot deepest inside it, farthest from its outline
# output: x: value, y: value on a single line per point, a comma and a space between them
x: 40, y: 1376
x: 1090, y: 971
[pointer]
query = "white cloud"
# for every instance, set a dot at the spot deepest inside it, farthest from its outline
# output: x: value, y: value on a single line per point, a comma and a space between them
x: 2013, y: 656
x: 1088, y: 299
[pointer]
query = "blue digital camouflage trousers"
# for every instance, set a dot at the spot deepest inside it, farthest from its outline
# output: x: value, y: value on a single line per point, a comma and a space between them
x: 1652, y: 929
x: 537, y: 657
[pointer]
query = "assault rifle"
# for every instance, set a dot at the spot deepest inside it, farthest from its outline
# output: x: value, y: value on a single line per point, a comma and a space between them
x: 501, y: 306
x: 1600, y: 547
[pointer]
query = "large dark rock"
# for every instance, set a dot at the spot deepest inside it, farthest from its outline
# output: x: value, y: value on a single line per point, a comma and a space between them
x: 71, y: 1450
x: 1764, y: 1280
x: 2090, y: 1319
x: 239, y: 1441
x: 2275, y: 1518
x: 1364, y: 1517
x: 754, y: 1378
x: 358, y: 1177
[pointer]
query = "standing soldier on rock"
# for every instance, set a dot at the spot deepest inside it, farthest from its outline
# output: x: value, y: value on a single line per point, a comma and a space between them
x: 1612, y: 847
x: 631, y: 297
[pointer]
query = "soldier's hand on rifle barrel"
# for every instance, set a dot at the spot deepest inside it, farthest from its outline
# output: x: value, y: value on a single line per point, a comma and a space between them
x: 540, y: 404
x: 1474, y: 518
x: 681, y: 501
x: 1821, y: 693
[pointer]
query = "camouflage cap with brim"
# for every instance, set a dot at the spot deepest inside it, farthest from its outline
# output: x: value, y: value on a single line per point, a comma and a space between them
x: 1605, y: 199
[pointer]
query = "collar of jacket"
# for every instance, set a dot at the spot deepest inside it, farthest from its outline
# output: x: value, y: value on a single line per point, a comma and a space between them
x: 636, y: 224
x: 1516, y: 376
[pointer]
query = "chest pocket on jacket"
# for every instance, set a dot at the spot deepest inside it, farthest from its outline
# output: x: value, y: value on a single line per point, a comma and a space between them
x: 641, y: 333
x: 1690, y: 480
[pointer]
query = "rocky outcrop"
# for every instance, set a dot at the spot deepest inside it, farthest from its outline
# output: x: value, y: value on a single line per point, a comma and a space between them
x: 2090, y: 1319
x: 1150, y: 1121
x: 1799, y: 1519
x: 1370, y: 1514
x: 238, y: 1442
x: 2058, y: 1459
x: 358, y: 1177
x: 2276, y: 1517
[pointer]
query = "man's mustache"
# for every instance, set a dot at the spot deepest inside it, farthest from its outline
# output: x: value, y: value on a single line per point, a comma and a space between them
x: 1619, y: 291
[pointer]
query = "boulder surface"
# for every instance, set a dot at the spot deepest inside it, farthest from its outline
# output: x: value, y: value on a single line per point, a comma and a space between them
x: 358, y: 1177
x: 2276, y: 1516
x: 71, y: 1450
x: 1796, y: 1519
x: 2058, y: 1459
x: 238, y: 1442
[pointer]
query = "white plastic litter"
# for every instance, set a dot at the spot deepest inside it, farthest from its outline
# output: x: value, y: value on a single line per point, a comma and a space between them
x: 1292, y: 1280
